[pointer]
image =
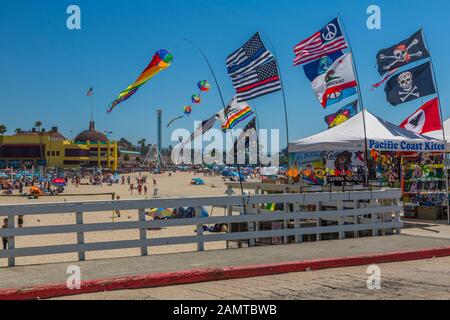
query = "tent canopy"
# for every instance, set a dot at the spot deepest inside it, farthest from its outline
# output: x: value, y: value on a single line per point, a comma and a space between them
x: 438, y: 134
x: 381, y: 135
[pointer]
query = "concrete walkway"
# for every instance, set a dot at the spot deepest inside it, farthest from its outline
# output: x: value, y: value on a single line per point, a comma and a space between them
x: 27, y: 276
x: 412, y: 280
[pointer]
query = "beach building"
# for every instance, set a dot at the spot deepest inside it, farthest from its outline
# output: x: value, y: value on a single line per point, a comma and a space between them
x: 103, y: 153
x: 51, y: 149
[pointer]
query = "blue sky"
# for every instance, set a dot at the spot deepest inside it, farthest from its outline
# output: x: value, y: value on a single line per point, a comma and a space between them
x: 46, y: 69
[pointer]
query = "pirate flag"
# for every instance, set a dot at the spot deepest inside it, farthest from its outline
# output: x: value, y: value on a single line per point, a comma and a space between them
x: 407, y: 51
x: 410, y: 85
x: 424, y: 120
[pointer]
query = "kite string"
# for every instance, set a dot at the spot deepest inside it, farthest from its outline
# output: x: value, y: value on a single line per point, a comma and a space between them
x: 175, y: 47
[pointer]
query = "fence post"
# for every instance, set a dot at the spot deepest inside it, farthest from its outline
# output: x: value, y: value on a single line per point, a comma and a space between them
x: 397, y: 216
x: 318, y: 221
x: 11, y: 241
x: 229, y: 210
x: 258, y: 211
x: 200, y: 245
x: 340, y: 206
x: 374, y: 218
x: 286, y: 222
x: 356, y: 218
x: 80, y: 236
x: 143, y: 232
x: 298, y: 224
x: 251, y: 225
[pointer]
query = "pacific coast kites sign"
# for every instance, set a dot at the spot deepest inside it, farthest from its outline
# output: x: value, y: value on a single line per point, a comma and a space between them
x: 390, y: 145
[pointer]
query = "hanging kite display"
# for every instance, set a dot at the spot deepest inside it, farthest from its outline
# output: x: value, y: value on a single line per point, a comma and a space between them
x: 196, y: 99
x: 161, y: 61
x: 187, y: 110
x: 203, y: 86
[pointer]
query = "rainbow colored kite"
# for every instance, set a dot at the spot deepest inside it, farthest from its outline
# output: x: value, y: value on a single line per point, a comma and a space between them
x: 161, y: 61
x: 204, y: 86
x: 187, y: 110
x: 196, y: 99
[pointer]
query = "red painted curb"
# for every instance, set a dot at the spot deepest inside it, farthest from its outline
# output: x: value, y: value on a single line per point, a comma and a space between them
x: 214, y: 274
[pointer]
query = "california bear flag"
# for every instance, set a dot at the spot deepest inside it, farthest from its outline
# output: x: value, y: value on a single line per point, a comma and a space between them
x: 338, y: 78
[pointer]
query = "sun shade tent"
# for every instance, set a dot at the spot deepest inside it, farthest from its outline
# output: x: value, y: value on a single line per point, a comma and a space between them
x: 197, y: 182
x: 438, y: 134
x: 349, y: 136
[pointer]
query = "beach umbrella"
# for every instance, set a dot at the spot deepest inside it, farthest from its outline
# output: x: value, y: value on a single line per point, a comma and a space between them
x: 198, y: 182
x: 160, y: 213
x: 59, y: 182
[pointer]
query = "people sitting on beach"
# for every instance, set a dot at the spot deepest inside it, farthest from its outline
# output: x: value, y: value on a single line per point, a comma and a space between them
x: 218, y: 228
x: 20, y: 221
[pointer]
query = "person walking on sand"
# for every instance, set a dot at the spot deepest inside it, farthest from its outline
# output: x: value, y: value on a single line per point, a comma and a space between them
x: 145, y: 189
x: 131, y: 188
x: 139, y: 188
x: 154, y: 183
x: 129, y: 180
x: 123, y: 180
x: 117, y: 212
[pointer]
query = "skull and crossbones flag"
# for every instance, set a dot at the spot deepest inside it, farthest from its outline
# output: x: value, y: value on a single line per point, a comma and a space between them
x: 424, y: 120
x: 408, y: 51
x: 410, y: 85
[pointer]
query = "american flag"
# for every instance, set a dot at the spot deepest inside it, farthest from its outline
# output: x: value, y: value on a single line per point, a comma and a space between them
x: 252, y: 54
x: 260, y: 81
x: 328, y: 40
x: 90, y: 92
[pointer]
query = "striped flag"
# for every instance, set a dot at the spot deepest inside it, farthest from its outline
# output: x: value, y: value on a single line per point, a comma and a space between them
x: 263, y: 80
x: 90, y: 92
x: 252, y: 54
x: 233, y: 114
x: 328, y: 40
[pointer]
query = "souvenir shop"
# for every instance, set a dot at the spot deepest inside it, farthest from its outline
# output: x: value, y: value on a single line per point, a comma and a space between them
x: 397, y: 158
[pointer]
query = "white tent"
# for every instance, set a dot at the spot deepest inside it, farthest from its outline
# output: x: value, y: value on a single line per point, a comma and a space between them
x: 381, y: 135
x: 439, y: 135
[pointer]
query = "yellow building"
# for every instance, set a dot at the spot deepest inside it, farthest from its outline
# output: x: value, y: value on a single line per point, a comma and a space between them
x: 51, y: 149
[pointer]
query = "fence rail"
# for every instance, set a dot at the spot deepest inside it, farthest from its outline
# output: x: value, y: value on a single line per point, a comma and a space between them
x: 375, y: 211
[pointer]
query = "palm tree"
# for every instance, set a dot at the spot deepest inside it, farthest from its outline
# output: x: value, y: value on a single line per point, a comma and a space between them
x: 38, y: 125
x: 3, y: 130
x: 142, y: 143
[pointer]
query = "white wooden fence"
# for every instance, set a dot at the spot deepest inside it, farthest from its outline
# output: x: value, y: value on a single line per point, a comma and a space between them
x: 377, y: 212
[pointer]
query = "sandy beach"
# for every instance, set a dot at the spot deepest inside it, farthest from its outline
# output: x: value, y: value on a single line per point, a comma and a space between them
x: 178, y: 185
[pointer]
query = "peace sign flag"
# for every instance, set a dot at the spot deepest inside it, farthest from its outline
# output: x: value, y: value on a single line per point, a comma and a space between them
x: 328, y: 40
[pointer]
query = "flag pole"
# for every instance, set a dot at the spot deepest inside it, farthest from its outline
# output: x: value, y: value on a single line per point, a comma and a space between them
x: 257, y: 139
x: 442, y: 123
x: 92, y: 106
x: 223, y: 102
x: 363, y: 110
x: 286, y: 119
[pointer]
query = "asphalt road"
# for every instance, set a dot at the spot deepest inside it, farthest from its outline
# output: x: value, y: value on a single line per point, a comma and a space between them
x: 424, y: 279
